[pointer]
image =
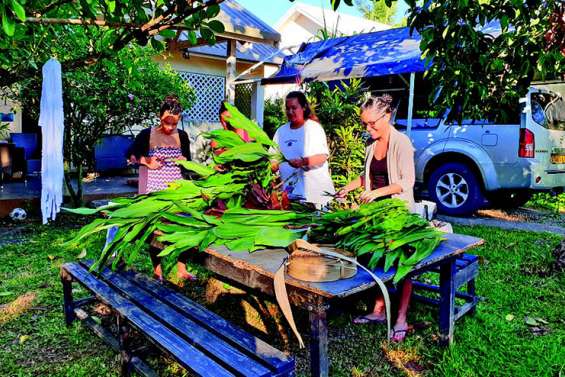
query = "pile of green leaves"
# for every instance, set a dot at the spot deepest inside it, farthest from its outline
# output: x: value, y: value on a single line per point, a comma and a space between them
x: 239, y: 229
x: 383, y: 229
x: 230, y: 177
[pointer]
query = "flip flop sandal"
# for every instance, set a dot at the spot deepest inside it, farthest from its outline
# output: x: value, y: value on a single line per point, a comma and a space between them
x: 401, y: 338
x: 365, y: 320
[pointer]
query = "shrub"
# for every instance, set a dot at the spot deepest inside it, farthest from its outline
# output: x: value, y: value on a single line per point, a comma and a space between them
x: 274, y: 115
x: 337, y: 107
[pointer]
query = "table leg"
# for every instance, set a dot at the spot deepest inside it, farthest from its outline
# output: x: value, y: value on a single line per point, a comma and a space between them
x: 447, y: 301
x: 472, y: 291
x: 319, y: 362
x: 68, y: 303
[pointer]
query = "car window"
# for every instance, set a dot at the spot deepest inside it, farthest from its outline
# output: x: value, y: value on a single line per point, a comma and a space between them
x: 537, y: 113
x: 548, y: 110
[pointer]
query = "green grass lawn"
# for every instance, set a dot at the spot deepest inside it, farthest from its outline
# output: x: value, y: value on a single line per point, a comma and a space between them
x: 515, y: 279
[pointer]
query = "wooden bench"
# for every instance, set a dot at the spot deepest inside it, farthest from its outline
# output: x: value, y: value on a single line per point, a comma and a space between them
x: 466, y: 270
x: 199, y: 340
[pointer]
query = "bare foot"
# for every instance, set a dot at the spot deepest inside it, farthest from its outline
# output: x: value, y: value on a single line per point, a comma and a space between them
x: 370, y: 318
x: 158, y: 272
x: 183, y: 274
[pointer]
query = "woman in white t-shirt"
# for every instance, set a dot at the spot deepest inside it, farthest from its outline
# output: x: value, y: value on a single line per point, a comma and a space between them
x: 303, y: 143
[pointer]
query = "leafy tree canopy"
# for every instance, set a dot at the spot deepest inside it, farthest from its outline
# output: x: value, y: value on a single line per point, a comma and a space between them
x: 30, y: 25
x: 377, y: 10
x: 480, y: 73
x: 102, y: 98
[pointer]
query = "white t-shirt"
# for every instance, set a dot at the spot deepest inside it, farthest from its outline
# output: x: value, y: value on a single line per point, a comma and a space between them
x: 306, y: 141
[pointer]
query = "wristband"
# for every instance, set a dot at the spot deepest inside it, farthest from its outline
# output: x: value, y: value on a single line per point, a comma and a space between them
x: 304, y: 163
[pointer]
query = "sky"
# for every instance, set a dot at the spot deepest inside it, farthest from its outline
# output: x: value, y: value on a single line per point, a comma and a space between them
x: 271, y: 10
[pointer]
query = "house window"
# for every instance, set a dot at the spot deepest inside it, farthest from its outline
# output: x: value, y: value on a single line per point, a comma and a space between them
x: 209, y: 91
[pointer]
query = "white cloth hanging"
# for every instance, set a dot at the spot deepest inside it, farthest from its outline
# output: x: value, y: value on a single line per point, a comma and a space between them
x: 51, y: 121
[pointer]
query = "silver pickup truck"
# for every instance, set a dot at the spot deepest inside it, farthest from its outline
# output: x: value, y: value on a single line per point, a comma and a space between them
x: 464, y: 167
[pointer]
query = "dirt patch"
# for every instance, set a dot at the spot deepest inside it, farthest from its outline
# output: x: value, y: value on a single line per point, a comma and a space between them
x: 17, y: 307
x: 524, y: 215
x: 405, y: 360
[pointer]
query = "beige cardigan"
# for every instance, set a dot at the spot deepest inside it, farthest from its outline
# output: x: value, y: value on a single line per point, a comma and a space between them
x: 400, y: 165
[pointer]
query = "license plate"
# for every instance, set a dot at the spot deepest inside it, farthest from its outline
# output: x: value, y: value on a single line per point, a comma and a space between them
x: 558, y: 158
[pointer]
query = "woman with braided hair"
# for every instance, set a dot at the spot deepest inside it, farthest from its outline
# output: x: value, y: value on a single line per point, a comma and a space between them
x: 156, y: 149
x: 389, y: 172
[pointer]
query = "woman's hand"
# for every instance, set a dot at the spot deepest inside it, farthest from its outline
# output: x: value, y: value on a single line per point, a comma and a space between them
x: 341, y: 194
x: 181, y: 158
x: 369, y: 196
x: 132, y: 160
x: 297, y: 163
x: 151, y: 163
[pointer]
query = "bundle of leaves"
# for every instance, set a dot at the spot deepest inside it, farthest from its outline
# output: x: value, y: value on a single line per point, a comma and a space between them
x: 385, y: 230
x: 239, y: 229
x: 241, y: 173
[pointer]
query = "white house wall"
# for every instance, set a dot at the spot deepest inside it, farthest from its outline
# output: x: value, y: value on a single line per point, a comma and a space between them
x: 297, y: 30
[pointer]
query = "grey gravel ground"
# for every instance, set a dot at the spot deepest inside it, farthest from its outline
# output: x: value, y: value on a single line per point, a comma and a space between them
x: 520, y: 219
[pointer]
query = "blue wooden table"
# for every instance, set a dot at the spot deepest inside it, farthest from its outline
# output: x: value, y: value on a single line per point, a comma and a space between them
x: 256, y: 271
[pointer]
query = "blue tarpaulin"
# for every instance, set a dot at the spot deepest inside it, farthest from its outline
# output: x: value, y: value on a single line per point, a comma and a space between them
x: 381, y: 53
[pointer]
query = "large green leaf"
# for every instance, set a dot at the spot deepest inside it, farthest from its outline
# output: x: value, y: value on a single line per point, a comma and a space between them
x: 8, y: 23
x: 19, y: 10
x: 238, y: 120
x: 187, y: 241
x: 224, y: 138
x: 249, y: 152
x: 276, y: 237
x: 245, y: 244
x: 201, y: 170
x: 140, y: 209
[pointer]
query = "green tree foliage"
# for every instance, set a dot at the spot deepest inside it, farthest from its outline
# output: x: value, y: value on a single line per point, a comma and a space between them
x: 106, y: 97
x: 123, y: 22
x: 377, y: 10
x: 338, y: 110
x: 482, y: 74
x: 273, y: 115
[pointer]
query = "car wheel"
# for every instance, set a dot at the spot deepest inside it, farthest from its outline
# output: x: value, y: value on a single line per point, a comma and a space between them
x: 455, y: 189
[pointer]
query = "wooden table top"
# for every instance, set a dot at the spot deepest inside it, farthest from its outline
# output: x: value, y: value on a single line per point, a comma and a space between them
x: 256, y: 270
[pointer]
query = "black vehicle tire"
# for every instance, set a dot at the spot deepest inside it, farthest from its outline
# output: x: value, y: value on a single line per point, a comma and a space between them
x: 508, y: 199
x: 456, y: 189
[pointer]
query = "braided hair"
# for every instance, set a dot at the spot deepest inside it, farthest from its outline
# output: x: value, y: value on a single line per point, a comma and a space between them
x: 380, y: 103
x: 172, y: 105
